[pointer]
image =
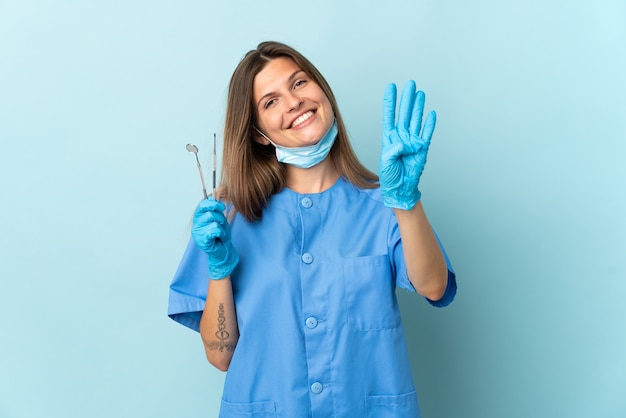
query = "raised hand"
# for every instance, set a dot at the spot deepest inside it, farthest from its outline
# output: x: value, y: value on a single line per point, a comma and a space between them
x: 211, y: 233
x: 404, y: 146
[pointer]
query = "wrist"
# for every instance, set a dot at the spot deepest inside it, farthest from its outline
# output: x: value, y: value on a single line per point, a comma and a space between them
x: 405, y: 203
x: 224, y: 266
x: 410, y: 213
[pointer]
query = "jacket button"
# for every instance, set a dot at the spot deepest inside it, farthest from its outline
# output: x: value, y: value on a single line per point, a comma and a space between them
x: 317, y: 387
x: 311, y: 322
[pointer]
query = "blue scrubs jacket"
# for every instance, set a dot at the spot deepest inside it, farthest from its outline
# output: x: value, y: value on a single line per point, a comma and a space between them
x: 320, y: 329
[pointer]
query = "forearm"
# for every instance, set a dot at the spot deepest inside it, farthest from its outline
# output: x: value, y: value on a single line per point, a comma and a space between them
x: 218, y: 326
x: 426, y: 266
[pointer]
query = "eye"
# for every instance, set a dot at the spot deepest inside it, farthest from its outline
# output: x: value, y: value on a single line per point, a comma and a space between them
x: 269, y: 103
x: 299, y: 83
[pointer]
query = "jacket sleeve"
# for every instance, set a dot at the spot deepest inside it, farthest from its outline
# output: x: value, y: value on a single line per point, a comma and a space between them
x: 187, y: 293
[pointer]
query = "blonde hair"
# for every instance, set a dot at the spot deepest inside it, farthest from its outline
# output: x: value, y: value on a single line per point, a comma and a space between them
x: 251, y: 174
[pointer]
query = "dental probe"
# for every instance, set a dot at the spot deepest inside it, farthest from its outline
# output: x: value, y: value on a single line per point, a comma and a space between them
x: 214, y: 165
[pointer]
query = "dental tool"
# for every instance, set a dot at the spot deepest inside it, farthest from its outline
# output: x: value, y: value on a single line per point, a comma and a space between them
x: 192, y: 148
x: 214, y: 164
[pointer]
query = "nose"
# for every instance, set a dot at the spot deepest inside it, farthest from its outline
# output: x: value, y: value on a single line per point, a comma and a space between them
x: 294, y: 102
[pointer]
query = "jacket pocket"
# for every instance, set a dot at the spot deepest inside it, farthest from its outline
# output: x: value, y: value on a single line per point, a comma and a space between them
x: 393, y: 406
x: 371, y: 293
x: 249, y: 410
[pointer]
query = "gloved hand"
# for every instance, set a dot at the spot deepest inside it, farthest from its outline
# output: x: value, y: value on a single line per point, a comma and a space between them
x: 404, y: 146
x: 211, y: 232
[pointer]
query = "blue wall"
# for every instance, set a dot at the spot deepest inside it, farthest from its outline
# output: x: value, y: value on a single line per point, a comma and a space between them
x: 524, y: 184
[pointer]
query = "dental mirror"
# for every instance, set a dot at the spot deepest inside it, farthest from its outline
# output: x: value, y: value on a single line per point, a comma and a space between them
x: 192, y: 148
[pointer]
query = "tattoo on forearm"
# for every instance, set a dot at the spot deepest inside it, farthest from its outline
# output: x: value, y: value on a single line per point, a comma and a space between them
x: 221, y: 333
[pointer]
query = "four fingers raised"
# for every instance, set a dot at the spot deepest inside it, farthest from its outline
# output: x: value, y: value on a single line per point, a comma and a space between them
x: 410, y: 113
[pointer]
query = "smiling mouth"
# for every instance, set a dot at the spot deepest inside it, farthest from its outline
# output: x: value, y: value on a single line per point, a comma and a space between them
x: 300, y: 119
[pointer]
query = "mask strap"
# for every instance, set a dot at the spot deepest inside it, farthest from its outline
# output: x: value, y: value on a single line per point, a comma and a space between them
x: 264, y: 136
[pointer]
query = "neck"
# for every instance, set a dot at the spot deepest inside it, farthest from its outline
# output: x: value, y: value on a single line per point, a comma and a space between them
x: 312, y: 180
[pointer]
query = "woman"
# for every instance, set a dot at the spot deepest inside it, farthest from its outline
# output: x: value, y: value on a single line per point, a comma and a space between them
x: 298, y: 299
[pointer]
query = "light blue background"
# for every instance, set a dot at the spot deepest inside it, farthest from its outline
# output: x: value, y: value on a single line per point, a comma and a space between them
x: 524, y: 184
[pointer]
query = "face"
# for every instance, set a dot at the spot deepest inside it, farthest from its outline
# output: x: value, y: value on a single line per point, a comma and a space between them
x: 292, y: 110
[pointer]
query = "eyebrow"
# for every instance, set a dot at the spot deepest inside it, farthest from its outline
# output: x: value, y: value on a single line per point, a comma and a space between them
x: 289, y: 80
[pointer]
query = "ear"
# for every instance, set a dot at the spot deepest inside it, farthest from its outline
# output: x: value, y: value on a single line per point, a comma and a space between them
x: 259, y: 136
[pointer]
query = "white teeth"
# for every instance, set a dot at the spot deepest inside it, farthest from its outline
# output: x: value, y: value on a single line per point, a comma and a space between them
x: 302, y: 119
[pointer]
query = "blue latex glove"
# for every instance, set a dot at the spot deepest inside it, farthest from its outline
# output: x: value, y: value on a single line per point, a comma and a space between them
x: 211, y: 233
x: 404, y: 146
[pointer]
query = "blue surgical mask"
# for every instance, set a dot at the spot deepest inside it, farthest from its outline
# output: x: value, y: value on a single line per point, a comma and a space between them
x: 306, y: 157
